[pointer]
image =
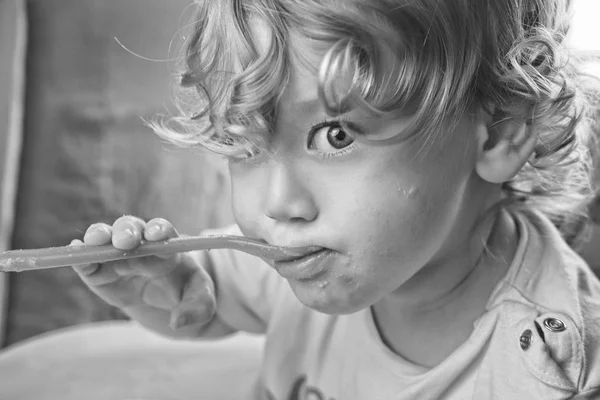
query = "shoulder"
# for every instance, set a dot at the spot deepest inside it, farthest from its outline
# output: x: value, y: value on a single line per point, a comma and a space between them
x: 550, y: 299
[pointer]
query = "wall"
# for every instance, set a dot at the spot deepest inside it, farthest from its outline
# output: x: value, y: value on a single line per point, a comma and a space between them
x: 12, y: 62
x: 88, y: 156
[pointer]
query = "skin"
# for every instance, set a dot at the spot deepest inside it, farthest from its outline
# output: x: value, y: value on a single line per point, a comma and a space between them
x: 407, y: 233
x: 170, y: 294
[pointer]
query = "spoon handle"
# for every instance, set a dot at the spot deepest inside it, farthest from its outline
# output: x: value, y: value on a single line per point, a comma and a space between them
x: 53, y: 257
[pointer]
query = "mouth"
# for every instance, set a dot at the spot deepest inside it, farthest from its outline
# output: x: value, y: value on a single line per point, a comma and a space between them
x: 303, y: 267
x: 296, y: 257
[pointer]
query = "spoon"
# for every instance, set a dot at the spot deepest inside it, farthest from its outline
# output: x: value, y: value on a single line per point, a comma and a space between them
x: 53, y: 257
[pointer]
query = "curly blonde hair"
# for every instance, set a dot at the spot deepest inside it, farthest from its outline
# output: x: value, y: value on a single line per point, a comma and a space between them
x: 444, y: 57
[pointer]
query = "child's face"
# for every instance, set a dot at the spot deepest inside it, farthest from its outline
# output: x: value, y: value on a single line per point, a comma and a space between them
x: 384, y: 213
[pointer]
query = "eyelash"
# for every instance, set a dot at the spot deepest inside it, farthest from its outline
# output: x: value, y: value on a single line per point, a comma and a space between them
x: 337, y: 122
x: 311, y: 133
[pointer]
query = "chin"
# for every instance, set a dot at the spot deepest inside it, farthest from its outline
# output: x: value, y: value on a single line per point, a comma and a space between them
x: 327, y: 301
x: 334, y: 309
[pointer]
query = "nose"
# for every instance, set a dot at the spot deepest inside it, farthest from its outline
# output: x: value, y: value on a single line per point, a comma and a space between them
x: 288, y: 199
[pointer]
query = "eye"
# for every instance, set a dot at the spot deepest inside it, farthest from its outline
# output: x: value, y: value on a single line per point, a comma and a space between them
x: 329, y: 139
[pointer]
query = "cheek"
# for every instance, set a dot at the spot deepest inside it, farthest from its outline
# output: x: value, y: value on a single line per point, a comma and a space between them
x: 390, y: 228
x: 400, y: 232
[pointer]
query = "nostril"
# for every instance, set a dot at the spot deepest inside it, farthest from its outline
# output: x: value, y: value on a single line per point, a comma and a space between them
x: 297, y: 219
x: 293, y: 214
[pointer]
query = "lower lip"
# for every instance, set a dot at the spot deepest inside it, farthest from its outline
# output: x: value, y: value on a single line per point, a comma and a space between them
x: 306, y: 267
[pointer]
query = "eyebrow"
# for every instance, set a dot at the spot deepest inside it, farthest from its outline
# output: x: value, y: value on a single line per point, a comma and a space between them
x: 310, y: 105
x: 307, y: 105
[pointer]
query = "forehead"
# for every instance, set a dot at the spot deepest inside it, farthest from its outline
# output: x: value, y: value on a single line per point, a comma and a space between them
x: 300, y: 99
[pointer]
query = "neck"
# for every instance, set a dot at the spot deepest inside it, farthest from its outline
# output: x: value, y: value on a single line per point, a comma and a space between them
x: 441, y: 302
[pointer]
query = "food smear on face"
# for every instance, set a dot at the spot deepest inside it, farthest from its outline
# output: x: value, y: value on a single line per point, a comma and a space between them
x: 408, y: 193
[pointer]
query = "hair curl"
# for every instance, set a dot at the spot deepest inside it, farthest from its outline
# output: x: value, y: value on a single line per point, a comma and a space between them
x: 440, y: 57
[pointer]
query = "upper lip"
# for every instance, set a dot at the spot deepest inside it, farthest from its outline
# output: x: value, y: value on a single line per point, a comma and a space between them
x: 298, y: 249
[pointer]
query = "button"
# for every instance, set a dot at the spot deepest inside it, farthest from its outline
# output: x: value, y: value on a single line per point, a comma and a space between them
x: 525, y: 339
x: 554, y: 325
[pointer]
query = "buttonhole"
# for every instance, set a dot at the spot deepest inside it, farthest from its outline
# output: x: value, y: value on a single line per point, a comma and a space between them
x: 540, y: 331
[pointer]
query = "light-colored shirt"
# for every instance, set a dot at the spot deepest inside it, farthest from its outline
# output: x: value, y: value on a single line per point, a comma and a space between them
x: 539, y: 337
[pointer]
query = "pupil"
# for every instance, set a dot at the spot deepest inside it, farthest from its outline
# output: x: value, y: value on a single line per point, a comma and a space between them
x: 338, y: 138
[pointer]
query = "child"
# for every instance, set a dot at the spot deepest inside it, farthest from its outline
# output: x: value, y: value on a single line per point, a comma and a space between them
x: 439, y: 155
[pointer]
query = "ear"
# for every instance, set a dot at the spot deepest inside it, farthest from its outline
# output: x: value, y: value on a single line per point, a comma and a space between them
x: 504, y: 146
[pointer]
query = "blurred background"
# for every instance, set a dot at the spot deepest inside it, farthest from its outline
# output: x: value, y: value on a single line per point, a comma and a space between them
x: 74, y: 149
